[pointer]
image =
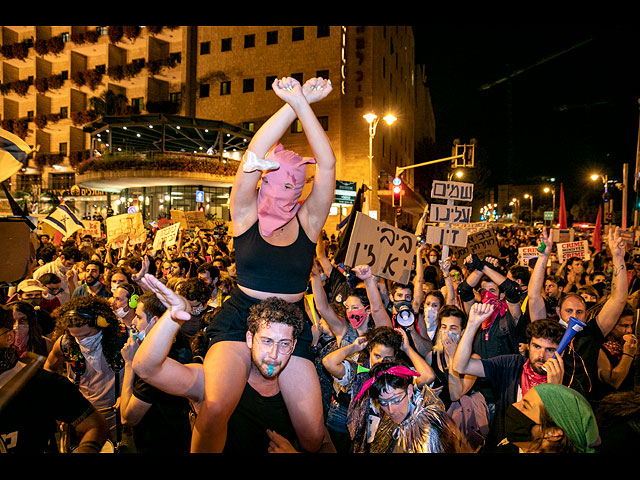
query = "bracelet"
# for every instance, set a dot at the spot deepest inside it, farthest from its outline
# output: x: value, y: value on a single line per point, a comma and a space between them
x: 632, y: 356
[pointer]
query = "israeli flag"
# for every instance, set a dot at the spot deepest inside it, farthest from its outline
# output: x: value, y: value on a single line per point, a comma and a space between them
x: 64, y: 220
x: 13, y: 154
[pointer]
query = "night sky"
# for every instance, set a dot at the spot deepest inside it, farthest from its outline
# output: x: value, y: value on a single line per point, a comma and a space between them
x: 569, y: 108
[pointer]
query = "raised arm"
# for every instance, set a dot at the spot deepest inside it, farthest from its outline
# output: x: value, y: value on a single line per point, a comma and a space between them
x: 537, y: 308
x: 427, y: 375
x: 333, y: 361
x: 610, y: 313
x: 463, y: 361
x: 337, y: 325
x: 378, y: 312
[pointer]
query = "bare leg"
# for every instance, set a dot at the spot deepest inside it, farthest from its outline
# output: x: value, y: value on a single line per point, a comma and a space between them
x: 300, y: 389
x: 226, y: 370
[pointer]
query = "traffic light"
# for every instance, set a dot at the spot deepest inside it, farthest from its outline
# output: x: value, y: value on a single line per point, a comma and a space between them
x: 201, y: 208
x: 397, y: 192
x: 465, y: 152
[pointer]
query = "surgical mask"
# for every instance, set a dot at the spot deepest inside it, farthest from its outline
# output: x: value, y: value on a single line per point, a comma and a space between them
x: 517, y: 425
x: 433, y: 260
x: 357, y: 317
x: 122, y: 312
x: 91, y: 348
x: 454, y: 336
x: 139, y: 336
x: 22, y: 338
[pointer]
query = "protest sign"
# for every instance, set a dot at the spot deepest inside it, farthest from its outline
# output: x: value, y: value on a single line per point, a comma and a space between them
x: 452, y: 190
x: 166, y: 237
x: 446, y: 236
x: 525, y: 254
x: 560, y: 235
x: 126, y: 225
x: 92, y: 227
x: 190, y: 220
x: 579, y: 249
x: 389, y: 251
x: 449, y: 213
x: 481, y: 242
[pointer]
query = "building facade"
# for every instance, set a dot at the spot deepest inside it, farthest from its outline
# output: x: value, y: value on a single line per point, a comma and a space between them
x: 56, y: 83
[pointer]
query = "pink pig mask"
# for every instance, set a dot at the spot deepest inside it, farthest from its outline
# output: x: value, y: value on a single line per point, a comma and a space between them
x: 281, y: 189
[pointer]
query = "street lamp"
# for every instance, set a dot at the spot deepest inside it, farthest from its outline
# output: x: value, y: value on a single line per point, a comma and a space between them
x: 458, y: 174
x: 608, y: 211
x: 530, y: 197
x: 553, y: 193
x: 372, y: 119
x: 516, y: 202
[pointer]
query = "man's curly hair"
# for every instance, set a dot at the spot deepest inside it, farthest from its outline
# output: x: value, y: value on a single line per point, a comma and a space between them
x: 93, y: 308
x: 275, y: 310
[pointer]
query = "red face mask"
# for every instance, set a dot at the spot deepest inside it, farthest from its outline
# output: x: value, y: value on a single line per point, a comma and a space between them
x: 357, y: 317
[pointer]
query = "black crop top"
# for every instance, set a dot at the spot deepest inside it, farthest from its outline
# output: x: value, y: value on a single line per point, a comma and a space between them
x: 268, y: 268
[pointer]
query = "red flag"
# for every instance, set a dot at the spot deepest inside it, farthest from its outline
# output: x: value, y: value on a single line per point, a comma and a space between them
x: 562, y: 215
x: 597, y: 239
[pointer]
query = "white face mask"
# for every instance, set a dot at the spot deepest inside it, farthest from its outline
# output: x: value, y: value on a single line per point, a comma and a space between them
x: 122, y: 312
x: 91, y: 348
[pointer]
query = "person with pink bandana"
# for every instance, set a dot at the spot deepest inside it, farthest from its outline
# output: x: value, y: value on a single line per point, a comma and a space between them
x: 275, y: 237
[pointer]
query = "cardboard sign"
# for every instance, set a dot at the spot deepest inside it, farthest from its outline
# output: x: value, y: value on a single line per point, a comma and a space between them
x: 447, y: 236
x: 127, y: 225
x: 92, y: 227
x: 389, y: 251
x: 190, y: 220
x: 482, y: 243
x: 452, y: 190
x: 166, y: 236
x: 562, y: 235
x: 449, y: 214
x: 573, y: 249
x: 525, y: 254
x: 628, y: 237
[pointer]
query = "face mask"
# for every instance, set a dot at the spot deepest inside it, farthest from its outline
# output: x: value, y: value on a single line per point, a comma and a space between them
x: 277, y: 205
x: 197, y: 310
x: 122, y: 312
x: 137, y: 335
x: 517, y: 425
x: 22, y: 338
x: 91, y: 348
x: 90, y: 343
x: 454, y: 336
x: 357, y: 317
x: 33, y: 301
x: 433, y: 260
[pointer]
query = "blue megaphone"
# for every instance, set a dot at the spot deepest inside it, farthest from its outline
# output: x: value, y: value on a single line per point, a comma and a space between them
x: 573, y: 328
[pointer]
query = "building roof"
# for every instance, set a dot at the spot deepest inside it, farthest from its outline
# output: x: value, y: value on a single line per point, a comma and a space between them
x: 168, y: 133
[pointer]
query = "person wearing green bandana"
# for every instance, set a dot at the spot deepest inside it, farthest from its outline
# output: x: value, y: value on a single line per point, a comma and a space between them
x: 552, y: 418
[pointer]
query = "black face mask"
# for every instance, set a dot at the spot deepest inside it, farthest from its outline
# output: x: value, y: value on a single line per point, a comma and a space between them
x: 517, y: 425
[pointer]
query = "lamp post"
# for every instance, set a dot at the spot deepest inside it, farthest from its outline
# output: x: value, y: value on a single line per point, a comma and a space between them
x: 516, y: 202
x: 608, y: 209
x: 530, y: 197
x: 553, y: 193
x: 372, y: 119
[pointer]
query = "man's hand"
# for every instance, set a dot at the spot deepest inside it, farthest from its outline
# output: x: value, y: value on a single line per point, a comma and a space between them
x: 178, y: 305
x: 279, y: 444
x: 363, y: 272
x: 547, y: 241
x: 359, y: 344
x: 555, y: 369
x: 129, y: 349
x: 405, y: 340
x: 479, y: 313
x: 630, y: 346
x: 616, y: 243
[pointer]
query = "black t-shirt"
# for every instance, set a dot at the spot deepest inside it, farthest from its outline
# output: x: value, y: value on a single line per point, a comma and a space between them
x: 28, y: 421
x: 581, y: 361
x: 246, y: 431
x: 165, y: 427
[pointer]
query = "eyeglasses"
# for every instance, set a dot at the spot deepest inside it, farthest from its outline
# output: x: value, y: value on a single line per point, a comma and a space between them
x: 285, y: 347
x: 396, y: 400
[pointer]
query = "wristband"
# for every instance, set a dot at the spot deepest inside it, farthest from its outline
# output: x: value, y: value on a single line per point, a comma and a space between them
x: 628, y: 354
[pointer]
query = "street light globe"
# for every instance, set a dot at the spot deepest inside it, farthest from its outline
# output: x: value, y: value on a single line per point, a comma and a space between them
x: 370, y: 117
x: 546, y: 189
x: 526, y: 195
x: 594, y: 176
x: 459, y: 174
x: 389, y: 118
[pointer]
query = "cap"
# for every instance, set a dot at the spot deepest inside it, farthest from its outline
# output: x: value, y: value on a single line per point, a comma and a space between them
x: 30, y: 285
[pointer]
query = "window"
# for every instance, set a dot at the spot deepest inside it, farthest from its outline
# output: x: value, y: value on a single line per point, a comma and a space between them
x: 64, y: 112
x: 205, y: 48
x: 30, y: 115
x: 247, y: 85
x: 270, y: 80
x: 101, y: 30
x: 137, y: 104
x: 272, y: 37
x: 62, y: 148
x: 251, y: 126
x: 323, y: 74
x: 298, y: 77
x: 324, y: 121
x: 26, y: 181
x: 297, y: 34
x: 65, y: 37
x: 99, y: 68
x: 225, y: 88
x: 138, y: 62
x: 226, y: 45
x: 323, y: 31
x: 204, y: 90
x: 250, y: 41
x: 65, y: 74
x: 176, y: 57
x: 61, y: 181
x: 175, y: 97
